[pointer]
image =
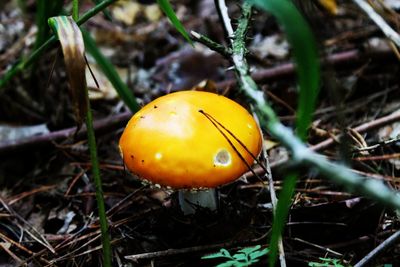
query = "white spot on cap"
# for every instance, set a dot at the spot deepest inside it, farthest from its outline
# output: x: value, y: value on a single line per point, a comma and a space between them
x: 158, y: 156
x: 222, y: 158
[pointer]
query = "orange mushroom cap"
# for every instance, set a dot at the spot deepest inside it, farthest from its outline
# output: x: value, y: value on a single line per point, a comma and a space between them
x: 172, y: 142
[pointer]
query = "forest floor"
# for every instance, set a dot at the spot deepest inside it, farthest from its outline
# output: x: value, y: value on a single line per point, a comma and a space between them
x: 48, y: 211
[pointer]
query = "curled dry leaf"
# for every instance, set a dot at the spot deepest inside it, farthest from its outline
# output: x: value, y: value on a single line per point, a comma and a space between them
x: 73, y: 48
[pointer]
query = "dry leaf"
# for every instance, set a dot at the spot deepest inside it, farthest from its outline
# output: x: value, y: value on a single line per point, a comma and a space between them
x: 330, y: 6
x: 128, y: 11
x: 73, y: 48
x: 106, y: 90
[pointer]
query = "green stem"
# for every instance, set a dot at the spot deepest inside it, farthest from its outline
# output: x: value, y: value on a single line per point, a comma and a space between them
x: 51, y: 41
x: 90, y: 13
x: 98, y: 185
x: 75, y: 10
x: 226, y: 52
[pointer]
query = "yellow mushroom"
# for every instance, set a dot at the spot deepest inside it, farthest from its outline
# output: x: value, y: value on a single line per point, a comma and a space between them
x: 190, y: 140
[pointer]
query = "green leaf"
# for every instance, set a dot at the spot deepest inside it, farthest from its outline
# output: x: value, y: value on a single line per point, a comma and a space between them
x: 249, y: 250
x: 45, y: 10
x: 326, y: 262
x: 240, y: 257
x: 108, y: 69
x: 281, y: 213
x: 213, y: 256
x: 258, y: 253
x: 169, y: 11
x: 317, y: 264
x: 223, y: 253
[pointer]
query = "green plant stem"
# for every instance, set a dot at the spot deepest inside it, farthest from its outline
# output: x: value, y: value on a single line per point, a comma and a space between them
x: 224, y: 51
x: 75, y: 10
x: 239, y: 51
x: 24, y: 63
x: 105, y: 235
x: 106, y: 13
x: 92, y: 12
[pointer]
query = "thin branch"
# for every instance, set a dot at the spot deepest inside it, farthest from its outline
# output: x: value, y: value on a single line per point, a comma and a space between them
x: 220, y: 49
x: 226, y: 20
x: 379, y: 21
x: 274, y: 201
x: 100, y: 126
x: 393, y: 117
x: 340, y: 60
x: 392, y: 240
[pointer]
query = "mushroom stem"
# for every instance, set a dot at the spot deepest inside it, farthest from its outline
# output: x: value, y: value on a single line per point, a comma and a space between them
x: 190, y: 201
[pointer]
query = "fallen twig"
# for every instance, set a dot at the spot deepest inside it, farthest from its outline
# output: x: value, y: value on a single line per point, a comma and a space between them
x: 378, y: 20
x: 102, y: 125
x: 395, y: 116
x: 339, y: 59
x: 393, y: 239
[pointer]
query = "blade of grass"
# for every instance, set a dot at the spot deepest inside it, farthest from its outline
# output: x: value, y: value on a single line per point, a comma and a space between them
x: 306, y: 58
x: 45, y: 10
x: 109, y: 70
x: 75, y: 9
x: 105, y: 235
x: 169, y: 11
x: 281, y: 213
x: 73, y: 49
x: 24, y: 63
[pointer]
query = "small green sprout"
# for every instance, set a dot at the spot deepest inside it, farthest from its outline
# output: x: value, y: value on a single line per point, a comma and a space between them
x: 326, y: 262
x: 242, y: 258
